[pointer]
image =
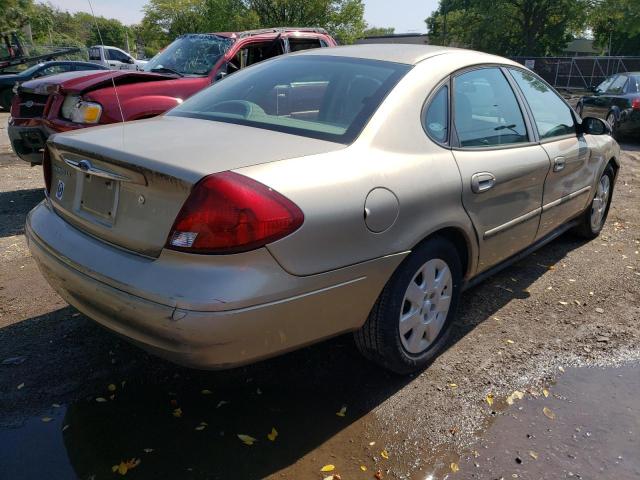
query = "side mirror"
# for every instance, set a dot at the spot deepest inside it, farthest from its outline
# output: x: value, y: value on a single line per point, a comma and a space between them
x: 595, y: 126
x: 130, y: 61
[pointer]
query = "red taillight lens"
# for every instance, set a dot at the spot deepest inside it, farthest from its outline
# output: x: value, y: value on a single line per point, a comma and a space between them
x: 635, y: 104
x: 46, y: 170
x: 230, y: 213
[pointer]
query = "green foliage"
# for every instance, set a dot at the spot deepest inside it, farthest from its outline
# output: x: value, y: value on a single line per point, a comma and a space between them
x: 14, y: 14
x: 508, y: 27
x: 617, y: 21
x: 378, y: 31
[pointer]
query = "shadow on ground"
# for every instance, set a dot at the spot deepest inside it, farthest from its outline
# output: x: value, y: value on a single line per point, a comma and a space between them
x: 298, y: 393
x: 14, y: 207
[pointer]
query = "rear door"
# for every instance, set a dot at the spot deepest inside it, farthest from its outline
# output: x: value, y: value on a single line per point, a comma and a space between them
x: 568, y: 184
x: 502, y: 168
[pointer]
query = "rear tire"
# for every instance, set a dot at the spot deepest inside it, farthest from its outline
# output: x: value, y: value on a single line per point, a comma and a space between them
x: 411, y: 320
x: 595, y: 216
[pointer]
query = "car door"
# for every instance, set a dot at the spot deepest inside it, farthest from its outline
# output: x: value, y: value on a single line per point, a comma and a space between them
x: 118, y: 60
x: 567, y: 186
x: 502, y: 168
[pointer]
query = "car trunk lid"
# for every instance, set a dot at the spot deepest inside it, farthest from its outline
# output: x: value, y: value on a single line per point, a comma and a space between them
x: 125, y: 184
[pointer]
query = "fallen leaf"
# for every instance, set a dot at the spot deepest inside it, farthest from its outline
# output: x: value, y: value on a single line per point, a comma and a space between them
x: 489, y: 399
x: 205, y: 392
x: 328, y: 468
x: 101, y: 399
x: 273, y: 435
x: 549, y: 413
x: 371, y: 444
x: 599, y: 310
x: 124, y: 467
x: 363, y: 468
x: 510, y: 342
x: 111, y: 387
x: 177, y: 412
x: 533, y: 454
x: 200, y: 427
x: 563, y: 303
x: 342, y: 412
x: 221, y: 403
x: 330, y: 477
x: 561, y: 369
x: 247, y: 439
x: 454, y: 467
x: 147, y: 450
x: 545, y: 392
x: 46, y: 419
x: 384, y: 454
x: 452, y: 385
x: 20, y: 387
x: 517, y: 395
x: 378, y: 475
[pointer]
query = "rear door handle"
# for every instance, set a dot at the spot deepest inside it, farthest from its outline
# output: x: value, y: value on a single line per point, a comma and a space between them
x: 483, y: 181
x: 558, y: 164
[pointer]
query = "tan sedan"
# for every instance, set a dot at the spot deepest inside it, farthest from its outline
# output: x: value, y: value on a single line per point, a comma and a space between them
x: 355, y: 189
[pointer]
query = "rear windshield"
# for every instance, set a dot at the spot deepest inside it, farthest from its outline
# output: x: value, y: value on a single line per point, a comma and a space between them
x: 325, y: 97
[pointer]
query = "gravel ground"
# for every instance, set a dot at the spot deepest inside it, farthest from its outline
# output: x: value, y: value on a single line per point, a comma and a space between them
x: 572, y: 303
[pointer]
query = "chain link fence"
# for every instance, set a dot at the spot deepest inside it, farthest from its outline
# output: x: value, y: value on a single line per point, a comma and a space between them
x: 579, y: 73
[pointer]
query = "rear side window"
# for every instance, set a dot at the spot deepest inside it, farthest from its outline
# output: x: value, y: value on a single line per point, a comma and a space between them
x: 298, y: 44
x: 94, y: 54
x: 551, y: 114
x: 486, y: 112
x: 436, y: 117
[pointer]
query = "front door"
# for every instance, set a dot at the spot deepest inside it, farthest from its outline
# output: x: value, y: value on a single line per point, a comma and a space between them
x: 502, y: 170
x: 567, y: 187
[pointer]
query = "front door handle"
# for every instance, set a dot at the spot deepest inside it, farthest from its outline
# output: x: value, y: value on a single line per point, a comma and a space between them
x: 483, y: 181
x: 558, y: 164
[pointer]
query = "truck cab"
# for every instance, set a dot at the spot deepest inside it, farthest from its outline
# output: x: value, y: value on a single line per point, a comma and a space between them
x: 114, y: 58
x: 189, y: 64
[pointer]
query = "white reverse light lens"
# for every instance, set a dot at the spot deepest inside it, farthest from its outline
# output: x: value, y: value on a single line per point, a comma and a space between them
x: 183, y: 239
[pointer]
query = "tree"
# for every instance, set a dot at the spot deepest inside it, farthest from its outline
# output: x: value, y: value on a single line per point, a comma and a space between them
x: 378, y: 31
x: 616, y: 25
x: 508, y: 27
x: 14, y: 14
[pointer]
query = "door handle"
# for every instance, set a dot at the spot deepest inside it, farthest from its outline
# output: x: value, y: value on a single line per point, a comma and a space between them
x: 558, y: 164
x: 483, y: 181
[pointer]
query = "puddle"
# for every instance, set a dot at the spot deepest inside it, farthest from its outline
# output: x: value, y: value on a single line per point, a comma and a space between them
x: 595, y: 433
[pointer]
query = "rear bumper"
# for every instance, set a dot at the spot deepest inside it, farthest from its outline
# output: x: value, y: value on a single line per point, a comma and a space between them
x: 204, y: 312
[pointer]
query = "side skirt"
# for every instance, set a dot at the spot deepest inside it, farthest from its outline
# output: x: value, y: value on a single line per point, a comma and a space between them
x: 519, y: 256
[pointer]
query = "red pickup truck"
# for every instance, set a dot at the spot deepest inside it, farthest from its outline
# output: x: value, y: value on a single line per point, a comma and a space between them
x: 192, y: 62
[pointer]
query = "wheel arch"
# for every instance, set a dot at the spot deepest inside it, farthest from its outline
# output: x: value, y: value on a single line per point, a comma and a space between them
x: 463, y: 243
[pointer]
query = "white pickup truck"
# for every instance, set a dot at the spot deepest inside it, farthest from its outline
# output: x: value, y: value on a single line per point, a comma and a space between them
x: 114, y: 58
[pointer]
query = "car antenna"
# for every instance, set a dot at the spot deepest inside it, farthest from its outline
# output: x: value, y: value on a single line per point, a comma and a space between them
x: 95, y: 22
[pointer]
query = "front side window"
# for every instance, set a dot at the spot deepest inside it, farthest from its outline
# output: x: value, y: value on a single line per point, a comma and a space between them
x: 436, y: 118
x: 617, y: 86
x: 324, y: 97
x: 604, y: 85
x: 551, y: 114
x: 53, y: 69
x: 486, y: 112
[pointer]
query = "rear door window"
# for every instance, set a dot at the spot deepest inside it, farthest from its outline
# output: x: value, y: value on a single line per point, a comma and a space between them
x: 94, y: 53
x: 617, y: 86
x: 486, y: 111
x: 551, y: 114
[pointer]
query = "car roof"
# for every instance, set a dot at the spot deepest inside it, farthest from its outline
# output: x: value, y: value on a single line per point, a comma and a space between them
x: 398, y: 53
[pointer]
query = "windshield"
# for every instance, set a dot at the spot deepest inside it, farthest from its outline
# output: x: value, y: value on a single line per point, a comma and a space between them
x: 324, y: 97
x: 31, y: 70
x: 193, y: 54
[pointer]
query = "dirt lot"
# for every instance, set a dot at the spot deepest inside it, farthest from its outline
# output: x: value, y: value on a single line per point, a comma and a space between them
x: 560, y: 329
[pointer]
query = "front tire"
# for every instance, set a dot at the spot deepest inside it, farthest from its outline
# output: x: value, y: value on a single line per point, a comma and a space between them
x: 595, y: 216
x: 411, y: 320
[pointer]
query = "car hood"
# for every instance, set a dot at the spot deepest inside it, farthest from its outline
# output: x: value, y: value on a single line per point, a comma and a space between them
x: 188, y: 148
x: 80, y: 82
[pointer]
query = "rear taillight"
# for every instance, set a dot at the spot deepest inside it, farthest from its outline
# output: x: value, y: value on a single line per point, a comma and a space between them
x: 635, y: 104
x: 46, y: 170
x: 230, y: 213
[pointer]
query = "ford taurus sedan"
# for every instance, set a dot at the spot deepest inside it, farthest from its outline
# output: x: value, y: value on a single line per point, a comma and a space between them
x: 357, y: 189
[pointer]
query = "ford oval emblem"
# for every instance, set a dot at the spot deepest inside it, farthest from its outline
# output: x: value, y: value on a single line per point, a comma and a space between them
x: 29, y: 104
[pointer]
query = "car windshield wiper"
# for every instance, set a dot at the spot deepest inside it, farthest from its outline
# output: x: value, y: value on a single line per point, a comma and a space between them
x: 165, y: 69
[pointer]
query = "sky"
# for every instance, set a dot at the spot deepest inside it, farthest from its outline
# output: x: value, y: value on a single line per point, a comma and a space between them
x: 404, y: 15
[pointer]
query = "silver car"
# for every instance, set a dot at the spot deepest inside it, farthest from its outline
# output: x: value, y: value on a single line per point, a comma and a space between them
x: 354, y: 189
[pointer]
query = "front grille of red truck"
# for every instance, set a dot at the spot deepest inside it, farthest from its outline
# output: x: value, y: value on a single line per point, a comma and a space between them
x: 31, y: 105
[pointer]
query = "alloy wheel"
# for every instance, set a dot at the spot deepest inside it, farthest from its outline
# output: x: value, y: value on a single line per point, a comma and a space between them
x: 600, y: 201
x: 425, y: 306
